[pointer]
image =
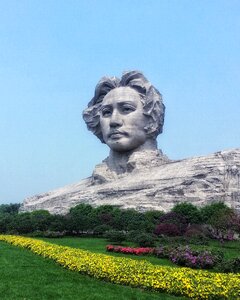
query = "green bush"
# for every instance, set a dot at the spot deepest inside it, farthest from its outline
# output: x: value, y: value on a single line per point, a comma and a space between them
x: 101, y: 229
x: 229, y: 265
x: 145, y: 240
x: 131, y: 235
x: 142, y: 239
x: 115, y: 236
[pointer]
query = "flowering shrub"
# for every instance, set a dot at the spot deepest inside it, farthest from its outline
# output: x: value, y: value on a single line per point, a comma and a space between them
x: 163, y: 251
x: 194, y: 284
x: 129, y: 250
x: 194, y: 259
x: 196, y: 231
x: 185, y: 256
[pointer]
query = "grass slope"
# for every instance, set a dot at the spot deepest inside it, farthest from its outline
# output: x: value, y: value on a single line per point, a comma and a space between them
x: 98, y: 245
x: 24, y: 275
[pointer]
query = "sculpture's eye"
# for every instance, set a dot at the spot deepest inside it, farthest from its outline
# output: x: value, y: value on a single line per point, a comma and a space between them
x: 127, y: 108
x: 106, y: 112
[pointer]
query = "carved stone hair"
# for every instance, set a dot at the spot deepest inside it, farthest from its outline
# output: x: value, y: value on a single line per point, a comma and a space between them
x: 151, y: 99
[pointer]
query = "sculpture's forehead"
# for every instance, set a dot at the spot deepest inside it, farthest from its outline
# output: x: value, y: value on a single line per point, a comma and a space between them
x: 121, y: 94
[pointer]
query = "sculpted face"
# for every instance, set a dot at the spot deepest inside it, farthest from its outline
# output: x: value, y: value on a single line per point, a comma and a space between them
x: 122, y: 120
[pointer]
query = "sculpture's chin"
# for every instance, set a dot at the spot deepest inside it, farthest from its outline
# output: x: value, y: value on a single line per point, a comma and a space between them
x: 117, y: 147
x: 127, y: 144
x: 122, y: 145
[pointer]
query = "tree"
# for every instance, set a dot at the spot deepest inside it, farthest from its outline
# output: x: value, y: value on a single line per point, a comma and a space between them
x: 130, y: 219
x: 189, y: 211
x: 58, y: 223
x: 6, y: 221
x: 168, y: 229
x: 80, y: 218
x: 209, y: 210
x: 22, y: 223
x: 41, y: 220
x: 9, y: 208
x: 151, y: 219
x: 171, y: 224
x: 224, y: 223
x: 105, y: 215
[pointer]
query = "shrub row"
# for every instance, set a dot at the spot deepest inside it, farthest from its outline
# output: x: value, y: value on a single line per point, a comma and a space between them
x: 182, y: 256
x: 185, y: 256
x: 215, y: 221
x: 129, y: 250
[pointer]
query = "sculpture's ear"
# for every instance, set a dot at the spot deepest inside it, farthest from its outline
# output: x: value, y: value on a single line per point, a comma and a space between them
x: 150, y: 128
x: 154, y: 109
x: 149, y: 100
x: 149, y: 111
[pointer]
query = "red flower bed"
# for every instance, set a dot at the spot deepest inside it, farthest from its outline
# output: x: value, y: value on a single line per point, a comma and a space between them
x: 129, y: 250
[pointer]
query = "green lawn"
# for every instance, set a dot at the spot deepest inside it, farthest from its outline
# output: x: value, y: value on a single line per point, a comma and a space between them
x: 230, y: 249
x: 24, y: 275
x: 99, y: 245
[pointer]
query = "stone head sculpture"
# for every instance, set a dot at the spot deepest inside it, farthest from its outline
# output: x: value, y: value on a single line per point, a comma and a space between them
x: 126, y: 113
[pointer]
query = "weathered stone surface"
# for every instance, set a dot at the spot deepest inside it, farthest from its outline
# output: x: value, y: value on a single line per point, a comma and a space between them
x: 152, y: 183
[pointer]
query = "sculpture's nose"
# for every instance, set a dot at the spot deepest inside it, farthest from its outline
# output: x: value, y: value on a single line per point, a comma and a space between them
x: 116, y: 119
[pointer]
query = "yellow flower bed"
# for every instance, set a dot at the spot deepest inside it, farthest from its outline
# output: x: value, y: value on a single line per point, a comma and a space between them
x: 195, y: 284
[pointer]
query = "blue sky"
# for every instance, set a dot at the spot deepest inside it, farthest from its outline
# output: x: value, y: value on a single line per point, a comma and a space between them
x: 52, y: 54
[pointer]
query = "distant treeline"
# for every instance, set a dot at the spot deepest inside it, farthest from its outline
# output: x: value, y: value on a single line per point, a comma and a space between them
x: 183, y: 219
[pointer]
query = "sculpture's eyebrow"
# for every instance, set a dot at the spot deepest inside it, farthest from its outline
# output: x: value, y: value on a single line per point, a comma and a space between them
x: 127, y: 102
x: 105, y: 106
x: 109, y: 105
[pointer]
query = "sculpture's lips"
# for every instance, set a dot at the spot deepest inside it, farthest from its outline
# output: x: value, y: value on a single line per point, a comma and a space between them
x: 116, y: 134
